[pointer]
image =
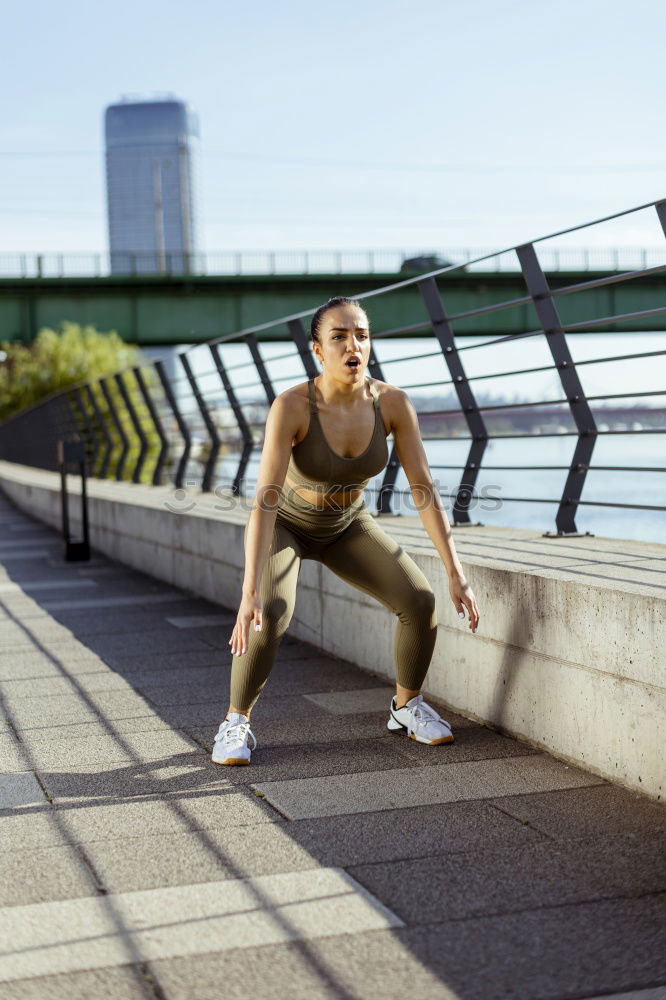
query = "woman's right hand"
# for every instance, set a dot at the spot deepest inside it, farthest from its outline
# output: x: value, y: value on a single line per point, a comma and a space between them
x: 249, y: 615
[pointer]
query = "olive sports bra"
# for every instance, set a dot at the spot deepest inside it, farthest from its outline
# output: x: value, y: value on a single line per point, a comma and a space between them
x: 315, y: 466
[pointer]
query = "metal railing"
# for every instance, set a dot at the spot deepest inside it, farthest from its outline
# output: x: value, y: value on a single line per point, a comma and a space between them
x: 301, y: 262
x: 146, y: 424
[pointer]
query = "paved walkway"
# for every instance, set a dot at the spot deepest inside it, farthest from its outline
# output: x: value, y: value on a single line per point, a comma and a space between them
x: 345, y: 862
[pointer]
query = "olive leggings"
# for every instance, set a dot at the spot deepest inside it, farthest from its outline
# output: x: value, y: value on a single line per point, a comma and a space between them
x: 352, y: 544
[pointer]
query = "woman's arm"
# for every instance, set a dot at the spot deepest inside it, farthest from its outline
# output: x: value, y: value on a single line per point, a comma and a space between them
x: 412, y: 456
x: 281, y: 427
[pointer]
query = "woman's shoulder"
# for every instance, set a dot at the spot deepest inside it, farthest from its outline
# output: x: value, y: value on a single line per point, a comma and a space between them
x: 295, y: 394
x: 389, y: 394
x: 392, y: 401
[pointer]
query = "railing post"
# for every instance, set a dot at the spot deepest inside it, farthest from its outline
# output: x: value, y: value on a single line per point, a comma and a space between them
x: 299, y: 336
x: 182, y: 426
x: 118, y: 425
x: 468, y: 405
x: 661, y: 214
x: 210, y: 425
x: 248, y: 440
x: 164, y: 444
x: 549, y: 319
x: 251, y: 342
x: 101, y: 423
x: 90, y: 434
x: 136, y: 423
x: 386, y: 490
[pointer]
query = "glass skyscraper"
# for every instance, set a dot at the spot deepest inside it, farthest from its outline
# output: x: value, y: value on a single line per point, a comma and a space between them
x: 151, y: 181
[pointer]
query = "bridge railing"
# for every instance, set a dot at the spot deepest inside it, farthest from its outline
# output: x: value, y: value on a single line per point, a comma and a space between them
x: 201, y: 424
x: 297, y: 262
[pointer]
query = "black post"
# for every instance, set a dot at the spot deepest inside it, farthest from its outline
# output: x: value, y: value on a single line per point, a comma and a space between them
x: 248, y: 440
x: 73, y: 451
x: 182, y: 426
x: 208, y: 421
x: 537, y: 286
x: 470, y: 409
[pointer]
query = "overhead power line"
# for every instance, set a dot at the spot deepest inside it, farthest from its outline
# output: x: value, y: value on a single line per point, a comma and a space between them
x: 414, y: 167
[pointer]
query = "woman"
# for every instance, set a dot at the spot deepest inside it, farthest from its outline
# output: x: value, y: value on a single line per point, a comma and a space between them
x: 316, y: 442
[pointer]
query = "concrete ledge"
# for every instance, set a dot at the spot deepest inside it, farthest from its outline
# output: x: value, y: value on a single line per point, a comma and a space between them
x: 568, y: 655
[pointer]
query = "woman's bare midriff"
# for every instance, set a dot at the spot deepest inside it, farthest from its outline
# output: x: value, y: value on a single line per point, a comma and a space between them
x: 338, y: 499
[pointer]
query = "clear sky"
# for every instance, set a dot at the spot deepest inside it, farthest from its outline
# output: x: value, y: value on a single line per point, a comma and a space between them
x: 345, y: 125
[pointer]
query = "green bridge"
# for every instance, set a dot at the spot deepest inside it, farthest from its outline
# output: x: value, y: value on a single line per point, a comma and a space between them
x: 155, y: 310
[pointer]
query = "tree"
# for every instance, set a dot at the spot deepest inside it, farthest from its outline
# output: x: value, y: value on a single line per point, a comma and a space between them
x: 57, y: 359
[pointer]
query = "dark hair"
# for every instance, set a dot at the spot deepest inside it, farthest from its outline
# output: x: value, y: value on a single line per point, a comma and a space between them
x: 339, y: 300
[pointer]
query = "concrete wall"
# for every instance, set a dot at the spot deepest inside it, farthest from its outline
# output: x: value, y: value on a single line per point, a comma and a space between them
x: 567, y: 658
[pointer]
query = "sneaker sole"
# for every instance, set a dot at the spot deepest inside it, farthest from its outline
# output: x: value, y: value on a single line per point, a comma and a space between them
x: 232, y: 760
x: 428, y: 743
x: 432, y: 743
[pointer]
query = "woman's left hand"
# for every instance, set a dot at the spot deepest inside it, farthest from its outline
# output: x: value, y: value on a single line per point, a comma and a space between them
x: 462, y: 596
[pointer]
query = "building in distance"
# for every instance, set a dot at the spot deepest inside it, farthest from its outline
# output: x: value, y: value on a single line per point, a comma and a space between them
x: 151, y: 182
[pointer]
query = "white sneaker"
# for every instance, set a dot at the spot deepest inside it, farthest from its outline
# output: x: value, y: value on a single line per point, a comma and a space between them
x: 231, y: 740
x: 419, y: 721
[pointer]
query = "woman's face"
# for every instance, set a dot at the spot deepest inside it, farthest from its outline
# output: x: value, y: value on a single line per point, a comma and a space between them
x: 343, y: 336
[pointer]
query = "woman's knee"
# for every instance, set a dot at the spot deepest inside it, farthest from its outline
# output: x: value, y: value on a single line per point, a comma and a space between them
x: 276, y: 615
x: 420, y: 607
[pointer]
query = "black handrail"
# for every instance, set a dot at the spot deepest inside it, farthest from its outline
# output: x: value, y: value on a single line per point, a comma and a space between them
x: 183, y: 415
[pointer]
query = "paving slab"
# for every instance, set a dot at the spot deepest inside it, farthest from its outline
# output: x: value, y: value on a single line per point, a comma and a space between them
x: 47, y: 687
x: 158, y: 640
x: 32, y: 634
x: 285, y: 679
x: 90, y: 706
x: 659, y: 993
x: 281, y: 765
x: 36, y: 553
x: 149, y: 817
x: 111, y: 748
x: 93, y: 730
x: 210, y: 855
x: 20, y: 789
x: 42, y: 874
x: 33, y: 827
x: 515, y: 876
x: 174, y: 675
x: 145, y: 662
x: 418, y: 832
x: 12, y: 755
x: 348, y: 967
x: 196, y: 770
x: 93, y: 603
x: 609, y: 946
x: 598, y: 810
x: 62, y: 585
x: 210, y: 713
x: 23, y: 663
x: 374, y: 699
x: 200, y: 621
x: 112, y: 621
x: 77, y: 934
x: 27, y: 667
x: 521, y: 957
x: 122, y: 781
x: 122, y: 983
x: 350, y: 793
